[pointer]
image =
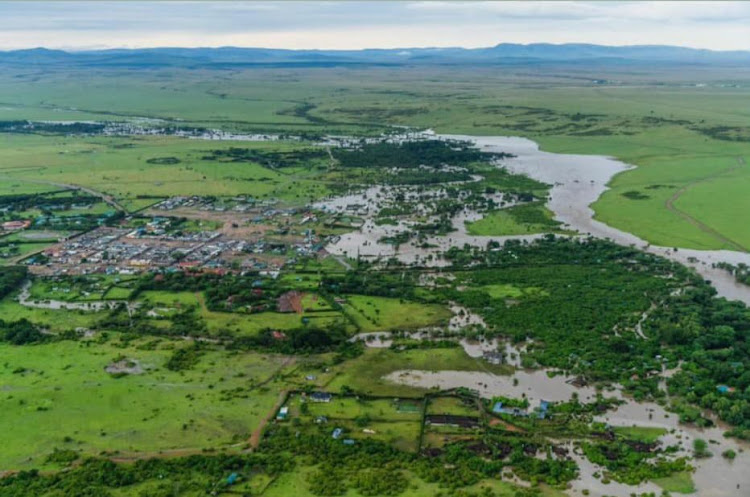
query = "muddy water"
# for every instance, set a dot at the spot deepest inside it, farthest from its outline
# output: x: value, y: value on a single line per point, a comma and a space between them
x: 578, y: 180
x: 714, y: 477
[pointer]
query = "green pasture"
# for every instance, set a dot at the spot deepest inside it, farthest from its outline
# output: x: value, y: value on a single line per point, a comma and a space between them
x: 61, y: 390
x: 383, y: 313
x: 366, y: 373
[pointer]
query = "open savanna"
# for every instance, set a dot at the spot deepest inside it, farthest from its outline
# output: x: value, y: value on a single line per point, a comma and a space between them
x: 59, y: 395
x: 120, y: 167
x: 658, y: 119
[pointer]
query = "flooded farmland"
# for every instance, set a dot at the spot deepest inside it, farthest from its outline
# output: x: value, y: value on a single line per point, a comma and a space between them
x: 714, y: 476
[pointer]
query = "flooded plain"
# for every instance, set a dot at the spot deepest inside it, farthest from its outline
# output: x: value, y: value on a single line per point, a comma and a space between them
x: 713, y: 477
x: 577, y: 181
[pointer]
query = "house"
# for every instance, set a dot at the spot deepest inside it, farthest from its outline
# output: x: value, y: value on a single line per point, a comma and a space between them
x: 321, y: 397
x: 283, y: 413
x: 452, y: 420
x: 493, y: 357
x: 348, y: 441
x: 512, y: 411
x: 321, y: 420
x: 16, y: 225
x: 543, y: 408
x: 337, y: 433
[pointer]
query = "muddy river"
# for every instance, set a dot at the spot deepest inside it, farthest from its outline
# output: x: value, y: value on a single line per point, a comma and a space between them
x: 578, y: 181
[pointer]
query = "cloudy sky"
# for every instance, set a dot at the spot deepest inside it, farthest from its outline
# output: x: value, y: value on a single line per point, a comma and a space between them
x: 381, y: 24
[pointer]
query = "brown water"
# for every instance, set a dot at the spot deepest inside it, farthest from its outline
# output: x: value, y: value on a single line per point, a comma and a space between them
x: 578, y: 181
x: 714, y: 477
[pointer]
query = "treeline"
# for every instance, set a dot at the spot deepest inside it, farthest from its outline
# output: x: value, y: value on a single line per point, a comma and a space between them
x: 21, y: 332
x: 99, y: 477
x: 222, y: 292
x: 45, y: 201
x: 458, y: 465
x: 79, y: 128
x: 11, y: 278
x: 741, y: 272
x: 431, y: 153
x: 270, y: 159
x: 401, y: 285
x: 303, y: 340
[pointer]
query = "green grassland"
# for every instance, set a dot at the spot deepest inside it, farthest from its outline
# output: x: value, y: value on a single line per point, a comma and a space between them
x: 363, y: 313
x: 517, y: 220
x: 365, y: 373
x: 104, y: 165
x: 381, y: 313
x: 62, y: 390
x: 663, y: 120
x: 82, y: 289
x: 57, y: 320
x: 640, y: 433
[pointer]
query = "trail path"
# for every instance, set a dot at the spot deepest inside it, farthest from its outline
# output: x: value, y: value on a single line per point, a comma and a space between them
x: 258, y: 432
x: 669, y: 204
x: 108, y: 199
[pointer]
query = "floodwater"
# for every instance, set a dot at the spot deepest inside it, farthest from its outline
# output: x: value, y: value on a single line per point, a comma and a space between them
x: 713, y: 477
x: 577, y: 181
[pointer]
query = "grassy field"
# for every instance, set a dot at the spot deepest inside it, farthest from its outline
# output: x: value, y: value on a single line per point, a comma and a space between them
x: 641, y: 433
x: 680, y: 483
x: 119, y: 167
x: 54, y: 320
x: 86, y: 288
x: 62, y: 390
x: 382, y: 313
x: 365, y: 374
x: 517, y: 220
x: 662, y: 120
x: 369, y: 313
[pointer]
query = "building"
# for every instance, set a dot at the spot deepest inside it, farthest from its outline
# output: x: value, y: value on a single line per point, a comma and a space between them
x: 493, y: 357
x: 543, y: 408
x: 16, y: 225
x: 283, y: 413
x: 452, y: 420
x: 321, y: 397
x: 337, y: 433
x: 512, y: 411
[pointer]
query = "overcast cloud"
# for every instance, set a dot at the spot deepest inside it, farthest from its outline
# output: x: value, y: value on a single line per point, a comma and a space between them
x: 353, y: 25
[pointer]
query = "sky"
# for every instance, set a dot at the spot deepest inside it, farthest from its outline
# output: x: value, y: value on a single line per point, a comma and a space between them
x: 379, y: 24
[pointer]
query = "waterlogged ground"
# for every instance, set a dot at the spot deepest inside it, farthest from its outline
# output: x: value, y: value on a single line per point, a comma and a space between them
x: 714, y: 476
x: 578, y: 181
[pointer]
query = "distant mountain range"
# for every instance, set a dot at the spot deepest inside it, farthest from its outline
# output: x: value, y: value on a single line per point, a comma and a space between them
x: 504, y: 53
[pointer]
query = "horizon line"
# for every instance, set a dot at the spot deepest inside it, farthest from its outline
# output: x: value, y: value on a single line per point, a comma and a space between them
x: 430, y: 47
